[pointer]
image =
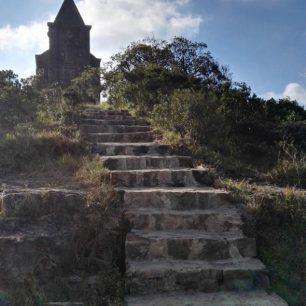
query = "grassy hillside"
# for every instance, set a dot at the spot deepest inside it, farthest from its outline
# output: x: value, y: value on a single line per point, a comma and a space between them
x: 255, y: 147
x: 40, y: 146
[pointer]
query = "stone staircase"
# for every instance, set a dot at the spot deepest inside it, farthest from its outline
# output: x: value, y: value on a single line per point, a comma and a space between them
x: 186, y: 246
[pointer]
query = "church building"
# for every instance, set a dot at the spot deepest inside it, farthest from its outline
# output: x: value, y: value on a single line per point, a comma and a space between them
x: 69, y: 47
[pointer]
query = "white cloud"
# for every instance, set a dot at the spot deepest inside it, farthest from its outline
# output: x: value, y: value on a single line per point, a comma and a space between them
x: 115, y: 24
x: 23, y: 38
x: 118, y: 22
x: 293, y: 91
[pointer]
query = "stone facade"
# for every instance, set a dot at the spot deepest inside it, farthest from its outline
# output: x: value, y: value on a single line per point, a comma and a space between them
x: 69, y: 47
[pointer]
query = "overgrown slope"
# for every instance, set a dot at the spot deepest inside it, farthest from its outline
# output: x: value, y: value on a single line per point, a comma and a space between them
x: 45, y: 168
x: 196, y: 107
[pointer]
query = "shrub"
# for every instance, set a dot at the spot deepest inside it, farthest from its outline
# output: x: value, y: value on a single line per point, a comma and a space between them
x: 183, y: 90
x: 18, y: 100
x: 149, y: 68
x: 291, y: 166
x: 85, y: 88
x: 277, y: 219
x: 281, y: 234
x: 96, y: 178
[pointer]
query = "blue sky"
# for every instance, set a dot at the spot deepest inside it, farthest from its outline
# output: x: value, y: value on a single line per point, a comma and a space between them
x: 262, y: 41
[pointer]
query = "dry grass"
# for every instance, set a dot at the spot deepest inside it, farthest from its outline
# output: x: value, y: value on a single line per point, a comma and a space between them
x: 96, y: 179
x: 277, y: 218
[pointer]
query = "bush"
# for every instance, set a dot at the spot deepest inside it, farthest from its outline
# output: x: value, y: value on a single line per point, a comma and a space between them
x: 27, y: 152
x: 85, y: 88
x: 19, y: 100
x: 181, y: 88
x: 96, y: 178
x: 277, y: 219
x: 291, y: 166
x: 281, y: 236
x: 36, y: 125
x: 150, y: 68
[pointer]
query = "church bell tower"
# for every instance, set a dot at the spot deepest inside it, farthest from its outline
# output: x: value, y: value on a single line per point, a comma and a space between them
x: 69, y: 47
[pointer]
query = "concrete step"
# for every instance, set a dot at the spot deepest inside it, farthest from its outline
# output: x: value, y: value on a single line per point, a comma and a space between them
x: 137, y: 149
x: 125, y: 122
x: 223, y: 298
x: 188, y: 245
x: 35, y: 203
x: 182, y: 198
x: 87, y: 129
x: 154, y: 219
x: 126, y: 162
x: 161, y: 177
x: 120, y: 137
x: 160, y: 276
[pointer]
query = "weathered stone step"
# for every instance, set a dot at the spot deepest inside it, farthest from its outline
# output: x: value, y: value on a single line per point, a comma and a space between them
x: 105, y: 116
x: 35, y: 203
x: 87, y: 129
x: 161, y: 177
x: 64, y: 304
x: 182, y: 198
x: 25, y: 251
x: 19, y: 228
x: 12, y: 225
x: 126, y: 122
x: 125, y: 162
x: 188, y: 245
x: 149, y: 277
x: 218, y: 220
x: 223, y: 298
x: 137, y: 149
x: 89, y: 111
x: 120, y: 137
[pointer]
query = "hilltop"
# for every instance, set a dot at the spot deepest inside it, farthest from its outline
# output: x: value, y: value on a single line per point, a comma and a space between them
x: 251, y: 147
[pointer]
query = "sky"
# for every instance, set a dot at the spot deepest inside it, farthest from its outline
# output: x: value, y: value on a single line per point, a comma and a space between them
x: 263, y: 42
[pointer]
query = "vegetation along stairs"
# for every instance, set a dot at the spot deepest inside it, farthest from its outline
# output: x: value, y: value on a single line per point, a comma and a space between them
x: 186, y: 246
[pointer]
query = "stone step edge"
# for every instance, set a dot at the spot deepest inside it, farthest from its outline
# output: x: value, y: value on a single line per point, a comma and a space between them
x: 136, y: 144
x: 110, y: 116
x: 205, y: 190
x: 125, y: 133
x: 63, y: 304
x: 221, y: 298
x: 189, y: 235
x: 144, y: 156
x: 97, y: 109
x: 113, y: 122
x: 113, y: 125
x: 226, y: 212
x: 19, y: 202
x: 166, y: 265
x: 33, y: 234
x: 20, y: 190
x: 161, y: 170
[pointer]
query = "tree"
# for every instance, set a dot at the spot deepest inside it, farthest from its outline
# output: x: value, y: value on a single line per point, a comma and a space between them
x: 18, y: 100
x: 184, y: 90
x: 148, y: 68
x: 84, y: 88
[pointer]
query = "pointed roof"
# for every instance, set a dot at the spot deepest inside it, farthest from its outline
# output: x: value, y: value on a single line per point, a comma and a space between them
x: 69, y: 15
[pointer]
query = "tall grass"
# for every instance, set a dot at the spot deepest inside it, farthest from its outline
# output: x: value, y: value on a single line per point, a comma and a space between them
x: 277, y: 218
x: 96, y: 179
